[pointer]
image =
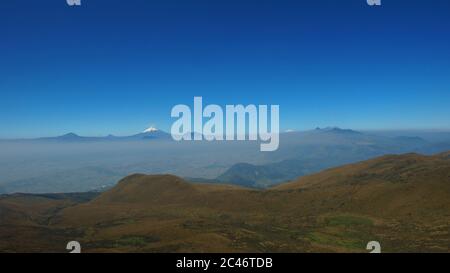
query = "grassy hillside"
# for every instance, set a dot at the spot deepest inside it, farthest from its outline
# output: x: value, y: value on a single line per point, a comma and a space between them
x: 401, y: 201
x: 392, y: 186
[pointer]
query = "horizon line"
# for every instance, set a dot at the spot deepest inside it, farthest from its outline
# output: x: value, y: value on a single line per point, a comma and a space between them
x: 286, y: 131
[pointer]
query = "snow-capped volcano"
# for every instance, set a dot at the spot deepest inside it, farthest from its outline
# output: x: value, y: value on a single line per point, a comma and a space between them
x: 152, y: 133
x: 150, y: 130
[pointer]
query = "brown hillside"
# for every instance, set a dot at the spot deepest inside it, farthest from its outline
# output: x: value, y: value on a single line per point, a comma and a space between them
x: 408, y: 185
x: 141, y: 189
x: 402, y: 201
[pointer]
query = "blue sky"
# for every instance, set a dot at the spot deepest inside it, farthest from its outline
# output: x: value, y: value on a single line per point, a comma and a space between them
x: 119, y: 66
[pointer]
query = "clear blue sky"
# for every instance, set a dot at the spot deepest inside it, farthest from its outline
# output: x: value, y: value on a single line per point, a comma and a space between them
x: 117, y: 67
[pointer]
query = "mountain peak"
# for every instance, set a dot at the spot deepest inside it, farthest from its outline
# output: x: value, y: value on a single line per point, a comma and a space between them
x: 337, y: 130
x: 150, y: 130
x: 69, y: 135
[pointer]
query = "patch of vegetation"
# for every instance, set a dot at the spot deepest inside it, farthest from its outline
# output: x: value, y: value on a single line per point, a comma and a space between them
x: 341, y: 240
x: 348, y: 221
x: 346, y: 231
x: 137, y: 241
x: 125, y: 241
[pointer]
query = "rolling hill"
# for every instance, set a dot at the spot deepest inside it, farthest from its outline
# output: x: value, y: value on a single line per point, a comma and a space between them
x: 402, y: 201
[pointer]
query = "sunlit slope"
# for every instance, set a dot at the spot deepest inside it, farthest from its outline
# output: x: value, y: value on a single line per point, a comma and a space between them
x: 408, y: 185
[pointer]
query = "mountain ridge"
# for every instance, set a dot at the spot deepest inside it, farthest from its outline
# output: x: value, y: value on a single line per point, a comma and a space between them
x: 73, y: 137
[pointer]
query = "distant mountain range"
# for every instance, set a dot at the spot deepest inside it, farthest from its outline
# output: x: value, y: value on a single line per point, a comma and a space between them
x: 72, y: 163
x: 146, y: 135
x: 319, y: 135
x: 401, y: 201
x: 261, y: 176
x: 303, y: 153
